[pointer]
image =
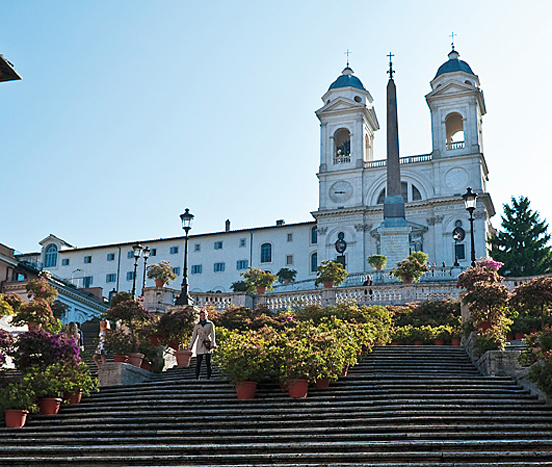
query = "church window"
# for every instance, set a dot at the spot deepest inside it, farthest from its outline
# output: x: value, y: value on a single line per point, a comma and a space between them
x: 314, y: 262
x: 242, y: 242
x: 173, y: 250
x: 242, y: 264
x: 87, y: 259
x: 218, y: 245
x: 342, y: 140
x: 87, y: 281
x: 130, y: 275
x: 177, y: 270
x: 455, y: 131
x: 109, y: 278
x: 197, y: 247
x: 358, y: 99
x: 460, y: 251
x: 219, y: 267
x: 290, y: 237
x: 50, y: 259
x: 197, y: 268
x: 266, y: 253
x: 289, y: 260
x: 111, y: 256
x: 65, y: 262
x: 314, y: 235
x: 415, y: 194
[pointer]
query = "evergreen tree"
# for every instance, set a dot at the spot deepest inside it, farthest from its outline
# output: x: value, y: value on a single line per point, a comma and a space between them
x: 522, y: 244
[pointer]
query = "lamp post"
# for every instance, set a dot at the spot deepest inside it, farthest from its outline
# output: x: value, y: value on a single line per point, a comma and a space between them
x: 184, y: 299
x: 137, y: 250
x: 469, y: 201
x: 146, y: 254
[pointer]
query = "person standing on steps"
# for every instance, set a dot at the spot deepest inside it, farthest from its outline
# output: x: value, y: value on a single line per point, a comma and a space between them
x: 99, y: 353
x: 204, y: 334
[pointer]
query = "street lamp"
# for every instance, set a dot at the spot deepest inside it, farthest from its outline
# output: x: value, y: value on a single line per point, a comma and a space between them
x: 146, y: 254
x: 137, y: 250
x: 184, y: 298
x: 469, y: 201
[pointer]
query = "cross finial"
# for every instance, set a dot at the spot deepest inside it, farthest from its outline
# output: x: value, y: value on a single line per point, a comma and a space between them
x: 452, y: 37
x: 391, y: 71
x: 347, y: 53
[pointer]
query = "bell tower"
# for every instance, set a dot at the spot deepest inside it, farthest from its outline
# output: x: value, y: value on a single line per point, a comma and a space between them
x: 457, y: 105
x: 347, y: 126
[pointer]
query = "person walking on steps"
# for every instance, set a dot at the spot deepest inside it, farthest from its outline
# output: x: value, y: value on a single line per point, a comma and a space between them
x: 204, y: 334
x: 99, y: 353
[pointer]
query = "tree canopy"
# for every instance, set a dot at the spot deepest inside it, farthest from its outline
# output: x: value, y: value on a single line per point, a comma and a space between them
x: 522, y: 242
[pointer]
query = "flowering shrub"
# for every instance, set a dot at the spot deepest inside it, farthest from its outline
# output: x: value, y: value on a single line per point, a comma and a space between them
x: 120, y: 342
x: 162, y: 271
x: 43, y: 348
x: 5, y: 307
x: 533, y: 298
x: 17, y: 395
x: 38, y: 312
x: 414, y: 267
x: 41, y: 288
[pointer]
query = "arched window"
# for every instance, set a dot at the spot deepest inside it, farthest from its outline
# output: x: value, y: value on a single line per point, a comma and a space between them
x: 266, y: 253
x: 342, y: 139
x: 314, y: 262
x: 455, y: 131
x: 314, y: 235
x: 413, y: 195
x: 50, y: 258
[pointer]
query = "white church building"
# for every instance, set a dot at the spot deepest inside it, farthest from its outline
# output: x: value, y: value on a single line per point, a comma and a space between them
x: 352, y: 191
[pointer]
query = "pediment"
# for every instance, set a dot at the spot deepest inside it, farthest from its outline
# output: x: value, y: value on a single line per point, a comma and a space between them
x: 341, y: 104
x: 53, y: 239
x: 452, y: 88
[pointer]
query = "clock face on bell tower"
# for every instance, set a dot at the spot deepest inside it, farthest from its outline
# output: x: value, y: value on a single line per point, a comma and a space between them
x: 341, y: 191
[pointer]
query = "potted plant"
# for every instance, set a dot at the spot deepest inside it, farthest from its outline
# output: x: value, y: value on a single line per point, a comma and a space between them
x: 259, y: 279
x: 176, y: 327
x: 286, y: 275
x: 330, y: 273
x: 377, y: 262
x: 411, y: 269
x: 77, y: 381
x: 120, y: 344
x: 162, y: 273
x: 17, y: 399
x: 48, y: 384
x: 239, y: 286
x: 243, y: 358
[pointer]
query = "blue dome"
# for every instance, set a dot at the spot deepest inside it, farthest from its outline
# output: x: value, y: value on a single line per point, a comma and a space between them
x: 453, y: 65
x: 347, y: 79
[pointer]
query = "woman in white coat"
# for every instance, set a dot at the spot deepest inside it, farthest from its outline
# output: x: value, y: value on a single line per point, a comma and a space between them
x: 204, y: 334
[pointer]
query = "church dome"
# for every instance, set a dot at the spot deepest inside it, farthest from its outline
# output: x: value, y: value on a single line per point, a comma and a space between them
x: 347, y: 79
x: 453, y: 65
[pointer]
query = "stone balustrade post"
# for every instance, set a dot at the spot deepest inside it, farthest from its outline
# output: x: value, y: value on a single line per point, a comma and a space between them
x: 328, y: 297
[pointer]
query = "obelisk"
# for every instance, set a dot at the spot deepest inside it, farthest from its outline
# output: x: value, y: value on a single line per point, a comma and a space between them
x: 394, y: 230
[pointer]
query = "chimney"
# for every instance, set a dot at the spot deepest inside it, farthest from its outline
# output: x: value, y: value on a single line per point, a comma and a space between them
x: 280, y: 222
x: 227, y: 225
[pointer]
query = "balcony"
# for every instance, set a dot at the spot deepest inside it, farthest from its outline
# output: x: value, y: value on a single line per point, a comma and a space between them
x: 456, y: 145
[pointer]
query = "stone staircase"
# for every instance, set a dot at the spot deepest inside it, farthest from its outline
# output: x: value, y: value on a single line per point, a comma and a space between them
x: 401, y: 406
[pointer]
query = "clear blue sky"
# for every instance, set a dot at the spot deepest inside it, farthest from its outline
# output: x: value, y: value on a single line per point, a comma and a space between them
x: 130, y: 111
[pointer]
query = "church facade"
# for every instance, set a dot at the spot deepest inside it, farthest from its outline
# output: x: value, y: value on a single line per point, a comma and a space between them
x: 348, y: 224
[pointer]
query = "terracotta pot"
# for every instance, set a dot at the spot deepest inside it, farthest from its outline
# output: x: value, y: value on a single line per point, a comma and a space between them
x: 379, y: 268
x: 298, y: 388
x: 395, y: 343
x: 146, y: 365
x: 246, y: 389
x: 510, y: 336
x: 15, y: 418
x: 136, y: 359
x: 154, y: 339
x: 261, y: 290
x: 183, y: 357
x: 286, y: 281
x: 159, y: 283
x: 418, y: 342
x: 73, y: 397
x: 484, y: 325
x: 439, y: 342
x: 345, y: 371
x: 322, y: 383
x: 407, y: 280
x: 49, y: 405
x: 455, y: 341
x: 328, y: 284
x: 32, y: 326
x: 518, y: 336
x: 120, y: 358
